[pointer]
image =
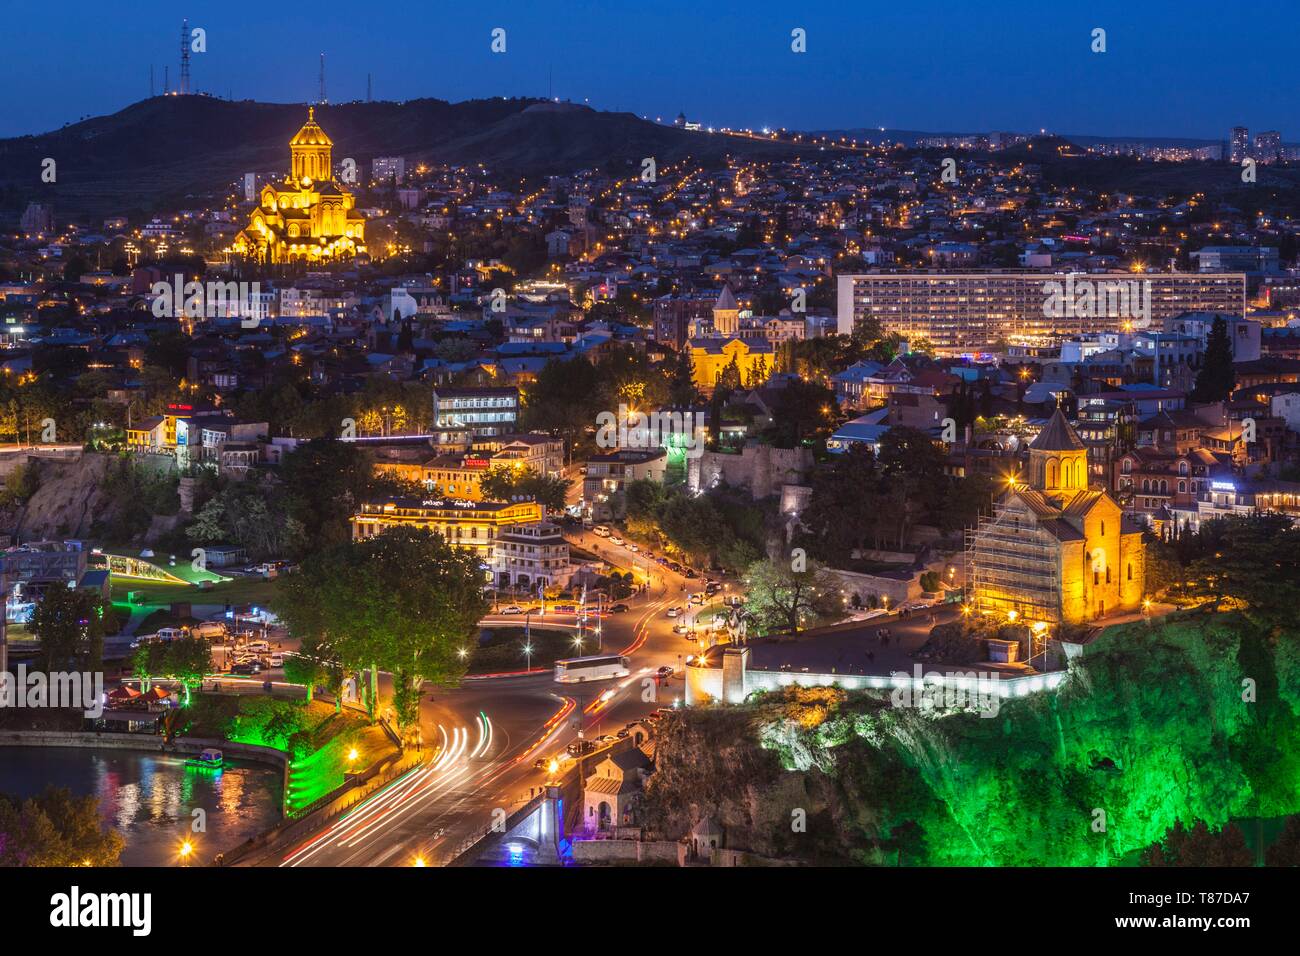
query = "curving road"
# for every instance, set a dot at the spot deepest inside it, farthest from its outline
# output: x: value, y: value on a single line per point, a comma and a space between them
x: 485, y: 736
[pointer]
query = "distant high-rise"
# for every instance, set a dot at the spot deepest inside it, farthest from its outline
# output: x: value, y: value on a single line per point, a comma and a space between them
x: 1240, y: 144
x: 1268, y: 146
x: 323, y: 100
x: 388, y: 169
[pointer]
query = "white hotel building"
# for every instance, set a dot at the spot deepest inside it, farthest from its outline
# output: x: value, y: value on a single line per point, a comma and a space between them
x: 970, y: 311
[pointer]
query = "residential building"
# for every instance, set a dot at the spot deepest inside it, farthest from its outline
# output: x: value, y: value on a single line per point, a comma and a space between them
x: 959, y: 312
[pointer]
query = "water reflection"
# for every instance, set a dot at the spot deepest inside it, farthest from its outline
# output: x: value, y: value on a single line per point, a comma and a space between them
x: 150, y: 797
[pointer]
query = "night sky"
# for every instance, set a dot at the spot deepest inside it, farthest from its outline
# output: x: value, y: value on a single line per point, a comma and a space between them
x: 1188, y: 68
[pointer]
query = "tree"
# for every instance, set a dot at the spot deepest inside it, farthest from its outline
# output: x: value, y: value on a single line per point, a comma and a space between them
x: 404, y: 601
x: 316, y: 664
x: 69, y: 625
x: 843, y: 513
x: 1254, y: 559
x: 803, y: 411
x: 1199, y: 846
x: 780, y: 598
x: 324, y: 479
x: 56, y: 829
x: 186, y: 660
x: 1216, y: 378
x: 729, y: 377
x: 505, y: 483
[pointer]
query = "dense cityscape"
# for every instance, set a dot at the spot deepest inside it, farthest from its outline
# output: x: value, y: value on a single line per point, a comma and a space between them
x: 583, y: 489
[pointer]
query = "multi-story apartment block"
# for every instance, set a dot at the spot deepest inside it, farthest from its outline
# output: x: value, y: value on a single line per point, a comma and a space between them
x: 959, y: 312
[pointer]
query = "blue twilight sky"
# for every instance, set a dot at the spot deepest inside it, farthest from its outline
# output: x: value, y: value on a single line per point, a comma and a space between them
x: 1190, y: 68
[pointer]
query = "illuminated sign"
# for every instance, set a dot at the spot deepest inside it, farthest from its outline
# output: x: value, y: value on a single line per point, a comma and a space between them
x: 1223, y: 486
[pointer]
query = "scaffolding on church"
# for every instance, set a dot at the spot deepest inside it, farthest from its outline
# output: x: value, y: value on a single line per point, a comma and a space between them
x: 1012, y: 565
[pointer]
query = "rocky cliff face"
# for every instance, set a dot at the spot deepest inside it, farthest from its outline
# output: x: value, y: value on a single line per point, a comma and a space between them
x: 68, y: 500
x: 1195, y: 718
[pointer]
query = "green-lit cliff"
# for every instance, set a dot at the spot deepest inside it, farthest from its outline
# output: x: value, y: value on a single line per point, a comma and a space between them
x: 1195, y: 718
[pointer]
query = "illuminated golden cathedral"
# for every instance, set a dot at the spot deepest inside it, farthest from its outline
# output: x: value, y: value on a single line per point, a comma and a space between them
x: 309, y: 217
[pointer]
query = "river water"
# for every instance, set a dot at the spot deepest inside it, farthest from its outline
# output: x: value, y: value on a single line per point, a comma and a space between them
x: 150, y: 797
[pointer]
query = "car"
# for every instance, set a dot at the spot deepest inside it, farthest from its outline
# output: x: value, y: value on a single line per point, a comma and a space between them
x: 258, y: 647
x: 679, y: 628
x: 690, y: 573
x: 673, y: 612
x: 713, y: 587
x: 697, y: 598
x: 632, y: 547
x: 618, y: 609
x: 619, y: 735
x: 580, y: 748
x: 277, y: 660
x: 604, y: 740
x: 511, y: 609
x: 674, y: 567
x: 247, y: 668
x: 600, y: 531
x: 666, y: 671
x: 615, y: 539
x: 660, y: 559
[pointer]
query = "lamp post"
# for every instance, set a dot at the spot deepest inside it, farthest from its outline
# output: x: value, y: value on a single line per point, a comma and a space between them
x: 528, y: 656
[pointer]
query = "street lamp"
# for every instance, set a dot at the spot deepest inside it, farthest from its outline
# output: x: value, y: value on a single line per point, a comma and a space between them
x: 528, y: 656
x: 186, y: 851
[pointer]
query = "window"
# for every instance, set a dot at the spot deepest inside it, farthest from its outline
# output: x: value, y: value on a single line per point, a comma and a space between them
x: 1096, y: 578
x: 1103, y: 529
x: 1130, y: 571
x: 1108, y: 574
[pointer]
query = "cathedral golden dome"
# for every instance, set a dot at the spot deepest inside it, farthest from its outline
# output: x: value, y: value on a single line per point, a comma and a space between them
x: 311, y: 134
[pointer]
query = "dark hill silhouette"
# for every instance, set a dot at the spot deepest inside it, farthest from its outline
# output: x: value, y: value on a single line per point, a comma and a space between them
x: 169, y: 151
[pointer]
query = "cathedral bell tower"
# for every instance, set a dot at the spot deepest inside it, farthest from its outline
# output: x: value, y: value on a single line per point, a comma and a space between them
x: 1058, y: 459
x: 310, y: 152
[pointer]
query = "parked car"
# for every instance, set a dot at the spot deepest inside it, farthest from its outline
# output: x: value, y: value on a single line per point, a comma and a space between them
x: 618, y: 609
x: 600, y: 531
x: 690, y: 573
x: 674, y: 567
x: 615, y: 539
x: 666, y: 671
x: 580, y: 748
x: 511, y: 609
x: 247, y: 668
x: 277, y: 660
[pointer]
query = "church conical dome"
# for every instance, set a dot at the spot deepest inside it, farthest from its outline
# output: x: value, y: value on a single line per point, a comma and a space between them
x: 1057, y: 435
x: 311, y: 134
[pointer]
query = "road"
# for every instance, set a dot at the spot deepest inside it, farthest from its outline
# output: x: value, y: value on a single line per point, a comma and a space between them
x: 484, y: 737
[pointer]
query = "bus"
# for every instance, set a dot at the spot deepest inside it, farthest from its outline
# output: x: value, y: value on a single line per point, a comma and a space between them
x: 577, y: 669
